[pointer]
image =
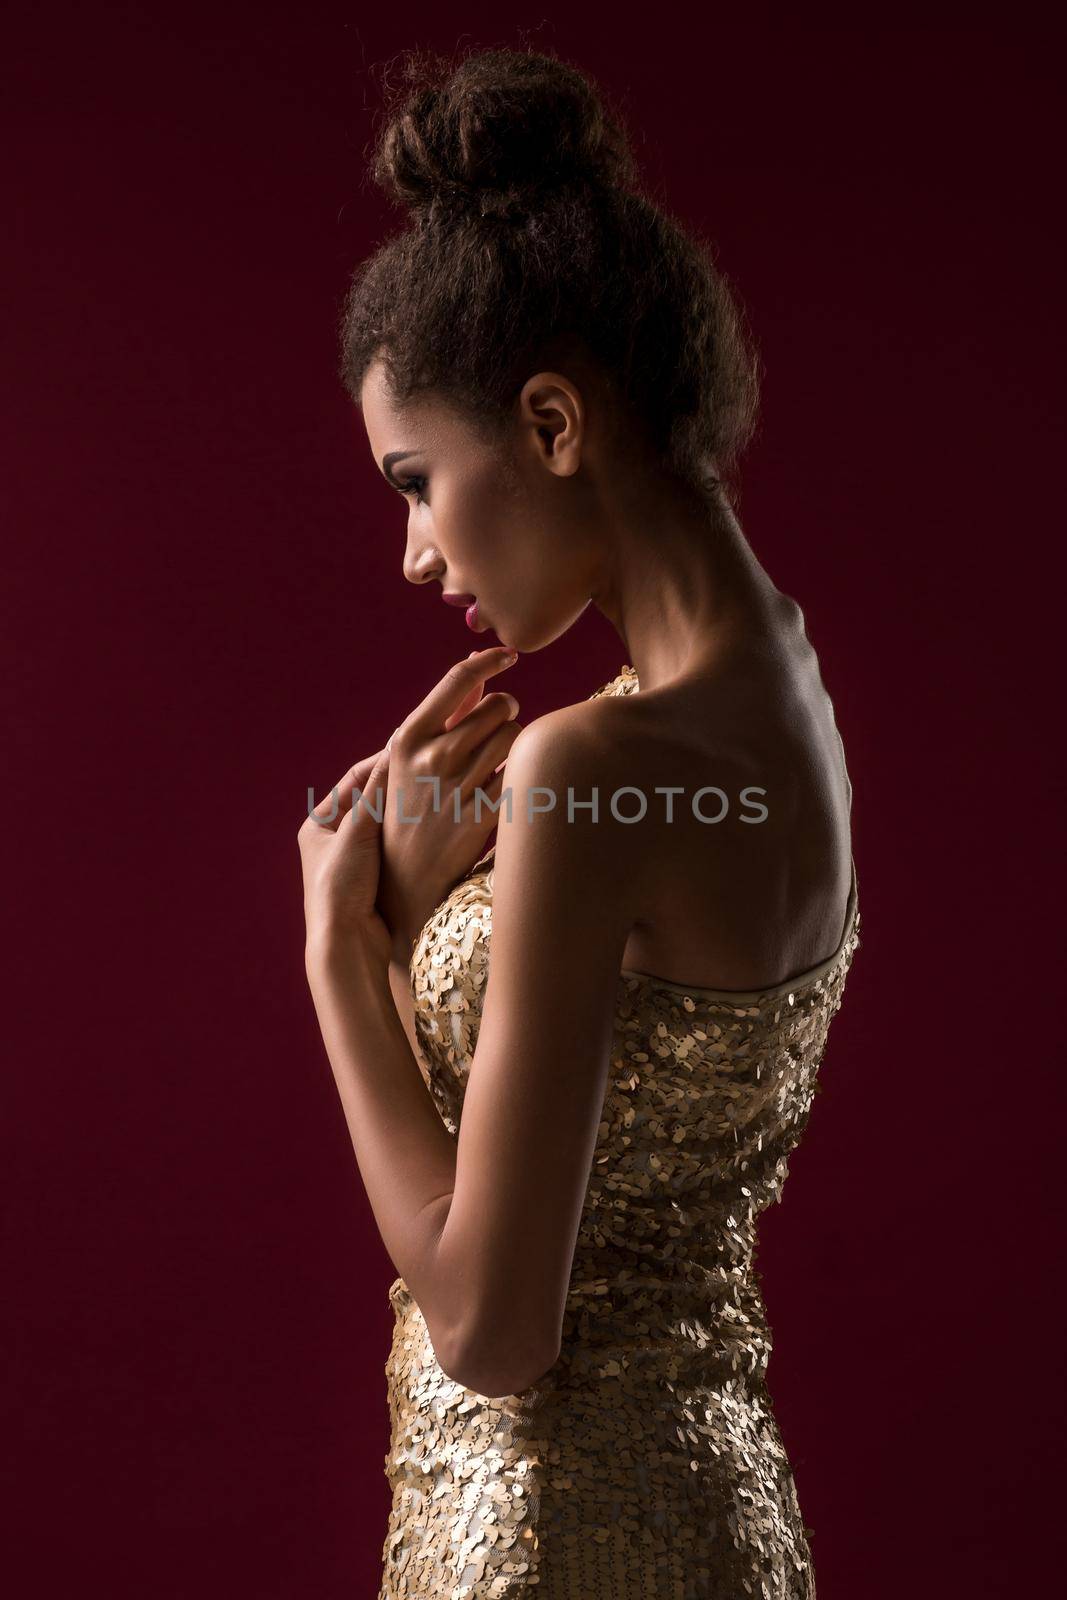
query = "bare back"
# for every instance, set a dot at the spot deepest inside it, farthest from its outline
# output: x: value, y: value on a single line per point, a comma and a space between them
x: 734, y: 904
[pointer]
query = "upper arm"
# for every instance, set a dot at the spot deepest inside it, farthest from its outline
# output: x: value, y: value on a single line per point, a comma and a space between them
x: 561, y: 915
x: 400, y: 987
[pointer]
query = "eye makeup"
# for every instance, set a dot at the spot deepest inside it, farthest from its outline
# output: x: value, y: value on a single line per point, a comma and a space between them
x: 413, y: 486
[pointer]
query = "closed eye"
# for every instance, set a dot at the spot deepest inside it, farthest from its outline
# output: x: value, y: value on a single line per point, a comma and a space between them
x: 413, y: 486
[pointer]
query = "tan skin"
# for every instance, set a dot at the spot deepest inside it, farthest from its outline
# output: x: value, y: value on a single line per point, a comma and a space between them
x: 565, y: 510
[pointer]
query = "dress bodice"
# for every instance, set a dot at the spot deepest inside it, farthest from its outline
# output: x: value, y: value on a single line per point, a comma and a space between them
x: 709, y: 1092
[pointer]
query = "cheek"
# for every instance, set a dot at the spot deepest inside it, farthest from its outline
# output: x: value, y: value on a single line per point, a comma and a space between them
x: 492, y: 533
x: 471, y: 520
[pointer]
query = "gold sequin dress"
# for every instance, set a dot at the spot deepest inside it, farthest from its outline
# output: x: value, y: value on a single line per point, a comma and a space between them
x: 647, y: 1464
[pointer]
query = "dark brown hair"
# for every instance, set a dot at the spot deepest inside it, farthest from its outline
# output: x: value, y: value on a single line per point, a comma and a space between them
x: 528, y: 236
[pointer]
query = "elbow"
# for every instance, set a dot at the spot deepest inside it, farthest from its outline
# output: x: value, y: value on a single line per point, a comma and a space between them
x: 499, y: 1364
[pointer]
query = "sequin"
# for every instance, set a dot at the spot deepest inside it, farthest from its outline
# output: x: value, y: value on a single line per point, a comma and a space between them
x: 647, y: 1463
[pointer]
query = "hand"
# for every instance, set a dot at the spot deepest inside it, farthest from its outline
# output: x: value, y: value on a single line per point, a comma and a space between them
x: 462, y: 738
x: 340, y: 853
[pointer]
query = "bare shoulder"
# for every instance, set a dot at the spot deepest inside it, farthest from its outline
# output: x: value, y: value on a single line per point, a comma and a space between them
x: 608, y: 743
x: 600, y: 783
x: 721, y: 835
x: 558, y: 774
x: 641, y: 741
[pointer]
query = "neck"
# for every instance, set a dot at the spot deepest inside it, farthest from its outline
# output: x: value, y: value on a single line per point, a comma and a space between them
x: 681, y: 585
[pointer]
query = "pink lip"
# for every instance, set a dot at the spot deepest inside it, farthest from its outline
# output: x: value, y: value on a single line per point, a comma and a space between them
x: 470, y: 603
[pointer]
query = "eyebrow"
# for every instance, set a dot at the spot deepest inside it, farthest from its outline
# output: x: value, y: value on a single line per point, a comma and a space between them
x: 388, y: 460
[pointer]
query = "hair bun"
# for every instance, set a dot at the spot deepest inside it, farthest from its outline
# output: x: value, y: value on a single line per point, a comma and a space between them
x: 495, y: 134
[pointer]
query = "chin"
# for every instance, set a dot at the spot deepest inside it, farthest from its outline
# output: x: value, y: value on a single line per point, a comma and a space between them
x: 537, y: 633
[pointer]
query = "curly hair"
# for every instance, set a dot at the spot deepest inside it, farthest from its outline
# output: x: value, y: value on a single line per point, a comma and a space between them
x: 527, y: 235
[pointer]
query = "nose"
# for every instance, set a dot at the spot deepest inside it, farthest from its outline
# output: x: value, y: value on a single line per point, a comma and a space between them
x: 423, y: 564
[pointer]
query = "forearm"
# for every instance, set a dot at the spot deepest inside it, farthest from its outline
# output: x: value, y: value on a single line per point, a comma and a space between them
x: 406, y: 1156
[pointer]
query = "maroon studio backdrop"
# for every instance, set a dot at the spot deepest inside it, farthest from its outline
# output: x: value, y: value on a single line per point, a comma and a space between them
x: 205, y: 613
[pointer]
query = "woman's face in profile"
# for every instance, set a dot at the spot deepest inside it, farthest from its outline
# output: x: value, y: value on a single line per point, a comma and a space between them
x: 483, y: 520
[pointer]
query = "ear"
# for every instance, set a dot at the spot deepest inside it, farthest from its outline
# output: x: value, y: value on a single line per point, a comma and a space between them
x: 552, y: 419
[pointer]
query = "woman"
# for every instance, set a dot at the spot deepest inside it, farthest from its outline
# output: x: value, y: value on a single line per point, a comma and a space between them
x: 557, y: 380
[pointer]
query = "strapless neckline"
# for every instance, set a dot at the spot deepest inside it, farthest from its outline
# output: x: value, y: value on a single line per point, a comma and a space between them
x: 802, y: 981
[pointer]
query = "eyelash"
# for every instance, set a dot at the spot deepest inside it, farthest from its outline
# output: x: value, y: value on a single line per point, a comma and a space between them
x: 414, y: 486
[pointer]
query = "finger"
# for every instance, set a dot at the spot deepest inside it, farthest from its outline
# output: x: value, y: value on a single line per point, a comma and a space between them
x: 468, y: 703
x: 489, y: 755
x: 368, y: 812
x: 461, y: 680
x: 492, y: 709
x: 338, y: 801
x: 488, y: 807
x: 471, y: 702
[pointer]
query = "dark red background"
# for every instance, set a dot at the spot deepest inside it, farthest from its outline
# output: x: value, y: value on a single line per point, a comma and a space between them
x: 206, y: 613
